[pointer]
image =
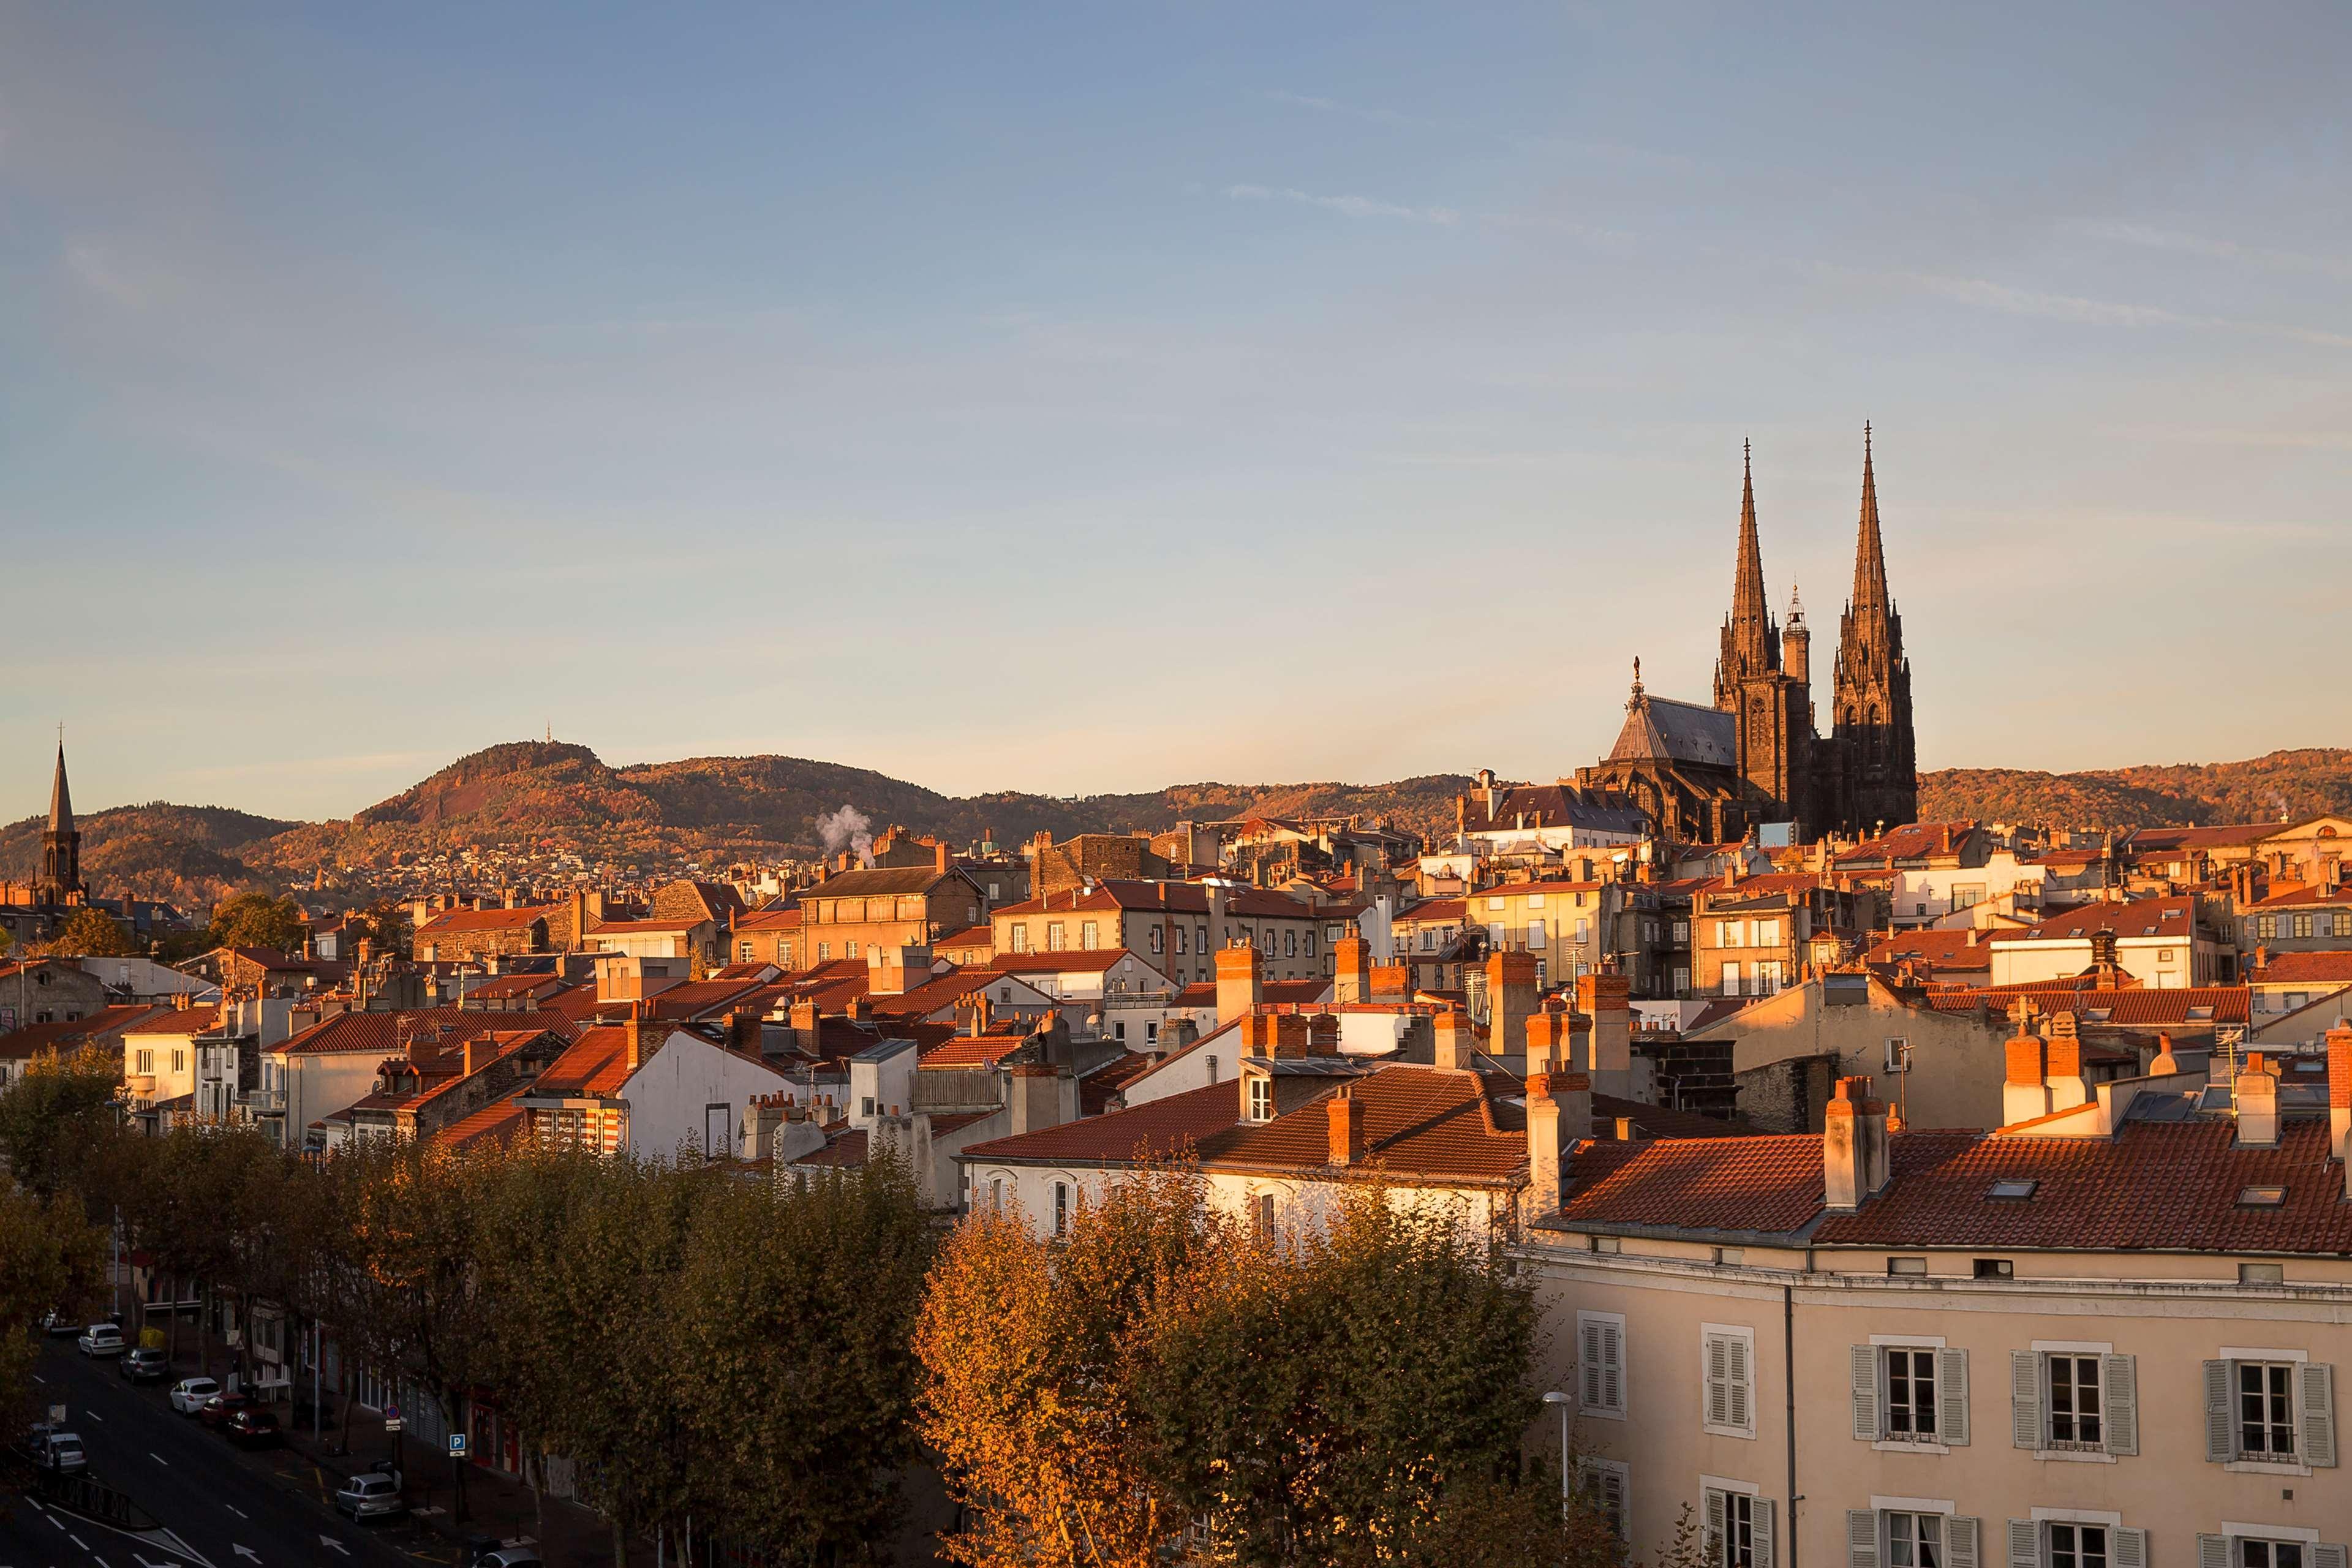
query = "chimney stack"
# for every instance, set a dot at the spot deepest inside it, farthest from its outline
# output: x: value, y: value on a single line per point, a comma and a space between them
x: 1347, y: 1127
x: 1241, y: 982
x: 1551, y: 1041
x: 2067, y: 1087
x: 634, y: 1031
x: 2025, y: 1088
x: 1605, y: 999
x: 942, y: 861
x: 1351, y: 964
x: 1510, y: 1001
x: 1560, y: 1117
x: 2340, y: 1099
x: 1323, y: 1035
x: 1854, y: 1162
x: 1455, y: 1045
x: 2254, y: 1095
x: 478, y: 1054
x: 743, y: 1031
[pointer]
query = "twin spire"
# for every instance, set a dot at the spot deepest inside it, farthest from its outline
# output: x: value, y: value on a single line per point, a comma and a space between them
x: 1750, y: 636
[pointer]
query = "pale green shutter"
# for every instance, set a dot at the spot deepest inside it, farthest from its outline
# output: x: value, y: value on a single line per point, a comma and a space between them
x: 2221, y: 1447
x: 1865, y: 1394
x: 1952, y: 1396
x: 2025, y: 1399
x: 2319, y: 1400
x: 2120, y: 1382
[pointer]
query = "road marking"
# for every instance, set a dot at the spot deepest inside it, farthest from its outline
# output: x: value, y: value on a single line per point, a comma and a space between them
x: 93, y: 1415
x: 248, y: 1552
x: 331, y: 1540
x: 159, y: 1459
x: 75, y: 1539
x: 234, y: 1509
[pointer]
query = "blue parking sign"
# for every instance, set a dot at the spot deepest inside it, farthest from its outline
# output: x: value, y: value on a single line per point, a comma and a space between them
x: 456, y: 1445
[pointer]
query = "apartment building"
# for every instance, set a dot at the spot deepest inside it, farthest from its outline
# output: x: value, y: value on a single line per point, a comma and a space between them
x: 2166, y: 942
x: 2299, y: 917
x: 851, y: 913
x: 2102, y: 1338
x: 1176, y: 927
x: 1751, y: 936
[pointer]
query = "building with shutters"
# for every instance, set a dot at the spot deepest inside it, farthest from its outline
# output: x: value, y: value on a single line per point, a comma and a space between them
x: 2104, y: 1337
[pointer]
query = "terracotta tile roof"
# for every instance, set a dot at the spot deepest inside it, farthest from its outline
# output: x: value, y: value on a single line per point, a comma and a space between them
x: 594, y: 1067
x: 185, y: 1021
x: 769, y: 919
x: 1154, y: 1131
x: 577, y: 1003
x: 701, y: 998
x: 1941, y: 949
x: 971, y: 936
x: 972, y: 1051
x: 1068, y: 961
x: 65, y: 1034
x: 1452, y: 910
x: 448, y: 922
x: 876, y: 879
x: 845, y: 1149
x: 500, y: 985
x: 2174, y: 917
x: 2233, y: 835
x: 2227, y: 1003
x: 1173, y: 898
x: 1768, y: 1184
x: 2304, y: 896
x: 1912, y: 841
x: 2156, y: 1186
x: 1420, y: 1123
x: 2299, y: 968
x: 386, y: 1033
x: 497, y: 1123
x: 943, y: 1125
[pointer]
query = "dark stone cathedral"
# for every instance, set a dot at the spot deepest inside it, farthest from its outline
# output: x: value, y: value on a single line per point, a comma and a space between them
x: 1755, y: 757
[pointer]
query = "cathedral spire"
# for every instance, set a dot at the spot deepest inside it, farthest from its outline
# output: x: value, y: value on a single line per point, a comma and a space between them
x: 1751, y: 644
x: 1869, y: 552
x: 60, y: 798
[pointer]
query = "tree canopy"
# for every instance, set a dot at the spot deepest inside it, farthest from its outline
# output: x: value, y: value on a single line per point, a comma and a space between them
x: 256, y: 919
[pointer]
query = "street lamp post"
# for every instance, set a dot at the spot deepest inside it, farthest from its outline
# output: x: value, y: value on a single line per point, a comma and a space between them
x: 1557, y: 1397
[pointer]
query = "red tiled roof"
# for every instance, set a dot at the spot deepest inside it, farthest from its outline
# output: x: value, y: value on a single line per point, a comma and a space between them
x: 517, y: 985
x: 1068, y: 961
x: 699, y: 998
x: 2230, y: 1004
x: 2174, y: 917
x: 971, y: 1051
x: 846, y: 1148
x: 595, y: 1067
x: 1204, y: 993
x: 769, y: 919
x: 497, y: 1122
x: 387, y: 1034
x: 185, y: 1021
x: 971, y: 936
x: 2298, y: 968
x: 2155, y: 1187
x: 449, y: 921
x: 1155, y: 1130
x: 1941, y: 949
x: 2303, y: 895
x: 1912, y: 841
x: 1419, y: 1122
x: 1769, y: 1183
x: 2227, y: 836
x: 65, y: 1033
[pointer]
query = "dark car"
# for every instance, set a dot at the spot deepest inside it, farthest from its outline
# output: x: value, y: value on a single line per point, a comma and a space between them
x: 144, y: 1365
x: 253, y: 1426
x: 217, y: 1410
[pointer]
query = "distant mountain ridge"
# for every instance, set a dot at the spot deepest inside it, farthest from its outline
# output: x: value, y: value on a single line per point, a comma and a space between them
x: 556, y: 797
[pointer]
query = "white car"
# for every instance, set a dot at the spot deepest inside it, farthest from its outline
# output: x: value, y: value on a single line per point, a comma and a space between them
x: 99, y: 1339
x: 371, y: 1495
x: 188, y: 1395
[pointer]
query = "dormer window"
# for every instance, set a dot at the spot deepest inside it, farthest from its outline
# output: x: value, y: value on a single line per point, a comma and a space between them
x: 2015, y: 1189
x: 1261, y: 1100
x: 2260, y: 1197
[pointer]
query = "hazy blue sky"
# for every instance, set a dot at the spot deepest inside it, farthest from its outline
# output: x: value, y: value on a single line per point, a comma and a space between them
x: 1095, y: 398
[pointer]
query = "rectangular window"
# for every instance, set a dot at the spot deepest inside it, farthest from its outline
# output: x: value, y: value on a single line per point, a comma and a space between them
x: 1181, y: 948
x: 1089, y: 935
x: 743, y: 952
x: 2076, y: 1545
x: 1061, y: 1208
x: 1158, y: 938
x: 2253, y: 1553
x: 1768, y: 934
x: 146, y: 1062
x: 1729, y: 1400
x: 1055, y: 938
x: 823, y: 952
x: 2266, y: 1410
x: 1911, y: 1395
x: 1601, y: 1363
x: 1199, y: 939
x: 1536, y: 935
x: 1261, y: 1100
x: 1017, y: 938
x: 1915, y: 1541
x: 1769, y: 974
x: 2074, y: 1421
x: 1898, y: 1054
x: 2340, y: 924
x: 1583, y: 932
x: 1290, y: 942
x: 2269, y: 924
x: 1604, y: 1482
x: 1738, y: 1533
x: 1731, y: 979
x: 2303, y: 925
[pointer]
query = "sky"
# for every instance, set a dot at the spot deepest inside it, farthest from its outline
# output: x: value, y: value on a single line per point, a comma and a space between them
x: 1096, y: 397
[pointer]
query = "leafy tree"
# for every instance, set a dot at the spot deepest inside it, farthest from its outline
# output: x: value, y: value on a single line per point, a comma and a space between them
x: 385, y: 924
x: 50, y: 1257
x: 794, y: 1311
x: 92, y: 933
x: 256, y: 919
x: 59, y: 1122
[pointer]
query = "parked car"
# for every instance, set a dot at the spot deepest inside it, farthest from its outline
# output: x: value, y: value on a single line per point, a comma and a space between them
x: 509, y: 1557
x: 58, y: 1451
x: 188, y: 1395
x: 255, y: 1425
x: 99, y: 1339
x: 371, y: 1495
x: 215, y: 1411
x: 144, y: 1365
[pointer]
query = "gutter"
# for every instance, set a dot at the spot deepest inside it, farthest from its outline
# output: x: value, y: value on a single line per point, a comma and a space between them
x: 1788, y: 1378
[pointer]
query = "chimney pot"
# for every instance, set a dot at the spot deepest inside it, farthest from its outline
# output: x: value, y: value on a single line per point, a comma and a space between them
x: 1347, y: 1127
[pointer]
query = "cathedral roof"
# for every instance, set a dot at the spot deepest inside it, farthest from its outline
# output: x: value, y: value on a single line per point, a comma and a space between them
x: 1683, y: 731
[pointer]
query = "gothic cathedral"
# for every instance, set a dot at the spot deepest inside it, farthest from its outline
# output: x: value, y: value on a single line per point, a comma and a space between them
x: 1863, y: 775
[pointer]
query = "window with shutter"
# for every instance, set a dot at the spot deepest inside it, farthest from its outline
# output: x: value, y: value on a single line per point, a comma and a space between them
x: 2024, y: 1399
x: 1865, y: 1394
x: 1726, y: 1353
x: 1601, y: 1373
x: 1960, y: 1542
x: 1861, y: 1539
x: 1914, y: 1540
x: 2120, y: 1382
x: 1607, y: 1484
x: 2318, y: 1412
x: 1738, y: 1529
x: 1952, y: 1403
x: 2025, y: 1545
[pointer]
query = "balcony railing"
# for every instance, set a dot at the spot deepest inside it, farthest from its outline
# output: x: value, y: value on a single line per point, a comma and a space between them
x: 265, y: 1102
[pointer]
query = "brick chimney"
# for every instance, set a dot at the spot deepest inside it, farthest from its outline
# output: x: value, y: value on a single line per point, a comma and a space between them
x: 1323, y: 1035
x: 1604, y: 998
x: 1351, y: 969
x: 1560, y: 1117
x: 1390, y: 979
x: 1455, y: 1045
x: 1347, y: 1127
x: 1241, y: 982
x: 743, y: 1031
x: 942, y: 859
x: 478, y: 1052
x: 1854, y: 1163
x: 804, y: 1026
x: 2025, y: 1088
x: 2067, y: 1087
x: 2340, y: 1099
x: 633, y: 1030
x: 1510, y: 1001
x: 1551, y: 1040
x: 2253, y: 1094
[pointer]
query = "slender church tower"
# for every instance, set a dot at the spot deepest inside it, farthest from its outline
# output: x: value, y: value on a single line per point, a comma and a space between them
x: 1772, y: 707
x: 1878, y: 777
x: 60, y: 879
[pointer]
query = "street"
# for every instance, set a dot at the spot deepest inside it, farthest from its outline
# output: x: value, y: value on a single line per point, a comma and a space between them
x: 219, y: 1507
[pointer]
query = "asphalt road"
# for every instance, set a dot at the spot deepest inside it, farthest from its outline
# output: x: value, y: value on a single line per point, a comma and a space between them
x: 223, y: 1507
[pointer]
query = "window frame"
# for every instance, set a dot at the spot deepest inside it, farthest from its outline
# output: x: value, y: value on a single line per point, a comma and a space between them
x: 1592, y: 1374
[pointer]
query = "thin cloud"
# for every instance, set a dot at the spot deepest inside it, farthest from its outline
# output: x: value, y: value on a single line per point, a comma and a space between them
x: 2176, y: 240
x: 1347, y: 207
x: 2010, y: 301
x: 1354, y: 111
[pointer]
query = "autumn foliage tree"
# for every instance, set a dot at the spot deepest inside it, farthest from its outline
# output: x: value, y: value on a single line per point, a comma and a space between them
x: 1349, y: 1393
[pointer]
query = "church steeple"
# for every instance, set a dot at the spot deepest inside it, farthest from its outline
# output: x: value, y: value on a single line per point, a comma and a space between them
x: 1872, y: 690
x: 60, y: 877
x: 1751, y: 643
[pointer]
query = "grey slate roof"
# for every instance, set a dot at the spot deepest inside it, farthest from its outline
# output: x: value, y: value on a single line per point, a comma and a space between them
x: 1682, y: 732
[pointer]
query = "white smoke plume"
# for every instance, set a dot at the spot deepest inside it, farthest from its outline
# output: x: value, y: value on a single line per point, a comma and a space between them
x: 848, y: 828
